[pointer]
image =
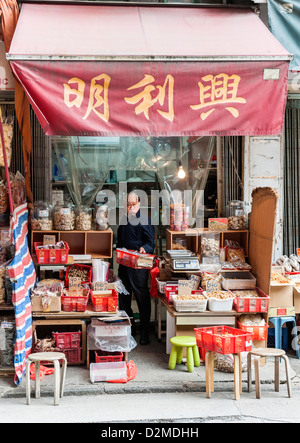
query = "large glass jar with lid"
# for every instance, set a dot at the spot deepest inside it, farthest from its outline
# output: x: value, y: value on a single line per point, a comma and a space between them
x: 84, y: 218
x: 64, y: 216
x: 101, y: 217
x: 237, y: 215
x: 41, y: 216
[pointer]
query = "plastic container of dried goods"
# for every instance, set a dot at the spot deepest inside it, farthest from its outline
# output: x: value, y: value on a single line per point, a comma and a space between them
x: 64, y: 217
x: 84, y: 218
x: 238, y: 280
x: 100, y: 372
x: 237, y: 215
x: 219, y: 301
x: 210, y: 244
x: 41, y: 216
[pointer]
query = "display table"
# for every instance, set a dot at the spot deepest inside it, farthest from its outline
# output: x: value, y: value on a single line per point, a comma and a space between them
x: 183, y: 323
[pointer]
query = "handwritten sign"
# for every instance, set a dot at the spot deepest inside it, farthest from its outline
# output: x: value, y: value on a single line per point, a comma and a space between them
x: 213, y: 285
x: 49, y: 239
x: 195, y: 281
x: 75, y: 285
x: 185, y: 287
x: 100, y: 286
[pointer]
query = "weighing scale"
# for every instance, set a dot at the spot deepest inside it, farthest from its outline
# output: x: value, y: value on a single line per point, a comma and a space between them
x: 184, y: 261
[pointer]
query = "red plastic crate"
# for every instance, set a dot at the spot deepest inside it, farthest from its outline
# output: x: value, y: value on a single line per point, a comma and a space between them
x: 67, y: 340
x: 73, y: 355
x: 74, y: 303
x: 51, y: 256
x: 259, y: 332
x: 252, y: 304
x: 105, y: 303
x: 89, y: 268
x: 108, y: 357
x: 216, y: 339
x: 129, y: 258
x: 171, y: 290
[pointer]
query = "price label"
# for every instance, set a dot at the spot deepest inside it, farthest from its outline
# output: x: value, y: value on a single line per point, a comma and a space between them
x: 185, y: 287
x: 74, y: 284
x: 49, y: 240
x: 195, y: 281
x: 100, y: 286
x: 213, y: 285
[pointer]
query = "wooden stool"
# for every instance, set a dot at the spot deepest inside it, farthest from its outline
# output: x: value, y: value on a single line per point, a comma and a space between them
x: 268, y: 352
x: 59, y: 382
x: 192, y: 352
x: 209, y: 374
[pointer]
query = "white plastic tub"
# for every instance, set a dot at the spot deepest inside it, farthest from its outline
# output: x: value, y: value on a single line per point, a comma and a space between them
x: 108, y: 371
x: 189, y: 305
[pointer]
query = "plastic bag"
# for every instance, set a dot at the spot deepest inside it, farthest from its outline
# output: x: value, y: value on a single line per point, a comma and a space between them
x: 131, y: 373
x: 8, y: 131
x: 18, y: 189
x: 111, y: 343
x: 225, y: 363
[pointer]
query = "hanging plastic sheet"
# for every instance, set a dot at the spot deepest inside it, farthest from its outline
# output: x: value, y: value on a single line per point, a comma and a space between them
x: 284, y: 19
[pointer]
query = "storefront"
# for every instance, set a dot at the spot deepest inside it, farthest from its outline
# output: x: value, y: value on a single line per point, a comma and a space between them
x: 148, y: 106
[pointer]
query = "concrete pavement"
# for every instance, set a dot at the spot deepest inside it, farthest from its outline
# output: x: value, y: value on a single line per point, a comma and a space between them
x: 156, y: 394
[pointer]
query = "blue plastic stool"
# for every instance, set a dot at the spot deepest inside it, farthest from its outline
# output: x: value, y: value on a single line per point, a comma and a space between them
x: 278, y: 322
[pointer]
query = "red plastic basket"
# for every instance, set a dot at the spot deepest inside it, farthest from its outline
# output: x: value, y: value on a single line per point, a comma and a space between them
x: 252, y: 304
x: 73, y: 355
x: 260, y: 332
x: 105, y: 303
x: 89, y: 268
x: 170, y: 290
x: 51, y: 256
x: 108, y: 357
x: 67, y: 340
x: 74, y: 303
x: 224, y: 339
x: 129, y: 258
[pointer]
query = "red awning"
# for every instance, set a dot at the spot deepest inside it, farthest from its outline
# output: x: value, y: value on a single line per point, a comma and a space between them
x: 150, y: 70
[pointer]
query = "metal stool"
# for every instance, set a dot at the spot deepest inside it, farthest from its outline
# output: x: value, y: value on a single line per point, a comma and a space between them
x: 59, y: 381
x: 278, y: 322
x: 268, y: 352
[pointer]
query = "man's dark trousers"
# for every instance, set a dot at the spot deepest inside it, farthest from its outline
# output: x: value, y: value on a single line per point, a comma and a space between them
x: 136, y: 281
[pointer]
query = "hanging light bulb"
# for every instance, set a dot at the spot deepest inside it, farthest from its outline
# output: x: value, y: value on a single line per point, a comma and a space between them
x: 181, y: 171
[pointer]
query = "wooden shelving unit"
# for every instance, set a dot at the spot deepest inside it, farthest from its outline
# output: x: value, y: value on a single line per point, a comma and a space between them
x: 192, y: 238
x: 98, y: 244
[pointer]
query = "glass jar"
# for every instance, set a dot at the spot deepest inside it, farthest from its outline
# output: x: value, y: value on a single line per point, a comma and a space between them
x: 237, y: 215
x: 84, y: 219
x: 64, y: 217
x: 41, y: 216
x: 101, y: 218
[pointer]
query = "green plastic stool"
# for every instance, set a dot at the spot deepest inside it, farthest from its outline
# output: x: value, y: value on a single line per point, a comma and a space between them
x: 192, y: 352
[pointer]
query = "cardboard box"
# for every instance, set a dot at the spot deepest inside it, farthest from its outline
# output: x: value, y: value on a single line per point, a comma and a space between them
x: 37, y: 304
x: 297, y: 299
x: 281, y: 296
x: 282, y: 311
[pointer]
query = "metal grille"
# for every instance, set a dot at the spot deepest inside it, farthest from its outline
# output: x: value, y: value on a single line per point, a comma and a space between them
x: 40, y: 157
x: 233, y: 155
x: 291, y: 219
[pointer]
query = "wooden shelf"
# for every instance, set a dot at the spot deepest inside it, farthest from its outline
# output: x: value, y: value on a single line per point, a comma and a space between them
x: 193, y: 242
x: 98, y: 244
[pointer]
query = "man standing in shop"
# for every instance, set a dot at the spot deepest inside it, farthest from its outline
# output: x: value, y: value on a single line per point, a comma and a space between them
x: 137, y: 233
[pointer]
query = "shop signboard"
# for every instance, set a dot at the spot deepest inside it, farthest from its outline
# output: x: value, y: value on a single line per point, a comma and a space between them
x: 125, y: 98
x: 150, y: 70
